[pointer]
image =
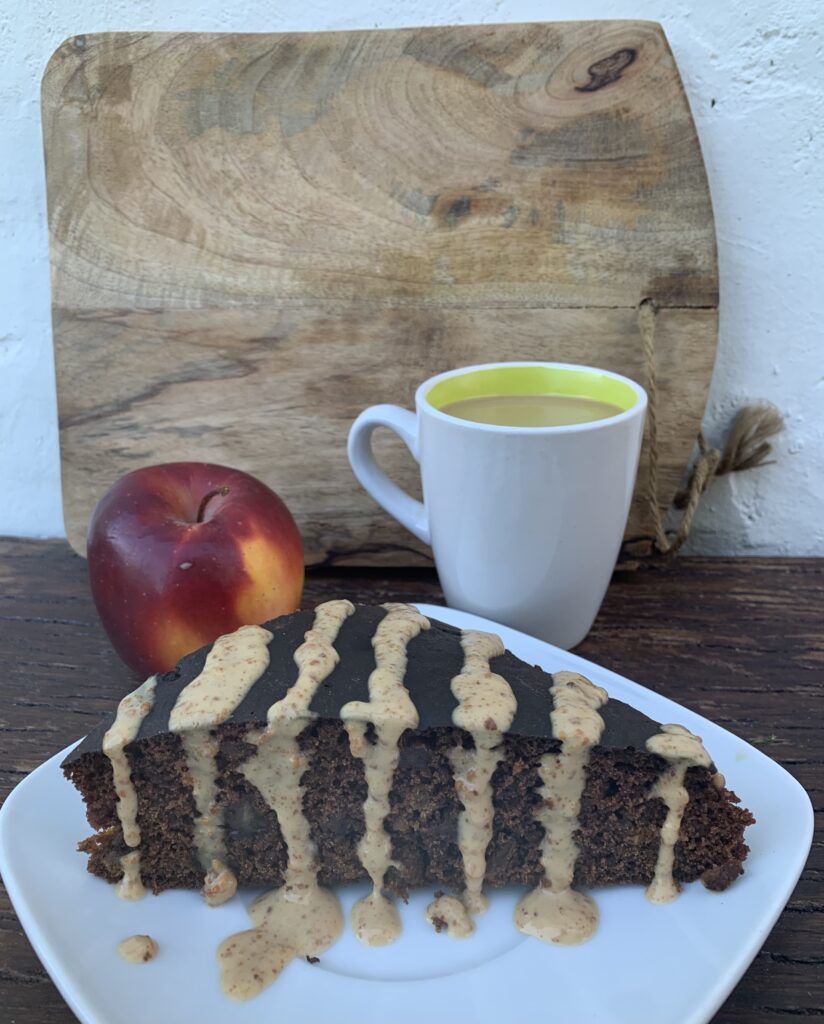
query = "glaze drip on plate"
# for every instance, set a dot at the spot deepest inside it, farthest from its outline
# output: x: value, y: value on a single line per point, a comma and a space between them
x: 449, y: 914
x: 138, y: 949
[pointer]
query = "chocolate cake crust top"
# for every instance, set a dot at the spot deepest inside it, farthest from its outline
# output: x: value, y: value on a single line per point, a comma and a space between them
x: 433, y: 660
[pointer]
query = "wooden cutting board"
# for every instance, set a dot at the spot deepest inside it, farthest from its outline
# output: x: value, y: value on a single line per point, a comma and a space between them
x: 253, y: 237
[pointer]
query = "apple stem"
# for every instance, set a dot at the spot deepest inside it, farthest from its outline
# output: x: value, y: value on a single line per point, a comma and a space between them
x: 222, y: 491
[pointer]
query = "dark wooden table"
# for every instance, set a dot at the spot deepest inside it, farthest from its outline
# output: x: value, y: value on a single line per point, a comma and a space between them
x: 738, y: 640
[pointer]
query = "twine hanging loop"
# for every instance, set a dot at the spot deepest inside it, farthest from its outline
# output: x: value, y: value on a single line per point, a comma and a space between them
x: 747, y: 446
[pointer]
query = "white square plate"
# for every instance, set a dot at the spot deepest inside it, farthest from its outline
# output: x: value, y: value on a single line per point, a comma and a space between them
x: 671, y: 964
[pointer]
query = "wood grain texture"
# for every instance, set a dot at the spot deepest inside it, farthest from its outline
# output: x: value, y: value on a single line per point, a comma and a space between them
x: 255, y: 236
x: 738, y: 640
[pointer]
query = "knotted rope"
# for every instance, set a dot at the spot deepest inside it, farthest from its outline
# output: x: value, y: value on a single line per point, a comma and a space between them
x: 747, y: 446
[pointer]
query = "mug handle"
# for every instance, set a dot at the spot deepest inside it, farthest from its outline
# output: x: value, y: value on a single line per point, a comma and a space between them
x: 409, y: 512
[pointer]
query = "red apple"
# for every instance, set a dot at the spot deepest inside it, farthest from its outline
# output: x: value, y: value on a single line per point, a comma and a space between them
x: 184, y: 552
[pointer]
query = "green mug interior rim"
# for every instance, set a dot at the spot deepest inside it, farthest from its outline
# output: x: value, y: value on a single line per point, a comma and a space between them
x: 534, y: 379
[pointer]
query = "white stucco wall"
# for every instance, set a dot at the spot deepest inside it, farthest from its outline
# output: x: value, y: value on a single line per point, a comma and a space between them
x: 752, y: 70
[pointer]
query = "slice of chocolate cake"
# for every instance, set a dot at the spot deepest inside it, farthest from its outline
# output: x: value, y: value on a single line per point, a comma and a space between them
x: 371, y: 743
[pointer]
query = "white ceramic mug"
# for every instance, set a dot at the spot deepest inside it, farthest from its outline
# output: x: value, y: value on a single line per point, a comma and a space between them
x: 525, y: 523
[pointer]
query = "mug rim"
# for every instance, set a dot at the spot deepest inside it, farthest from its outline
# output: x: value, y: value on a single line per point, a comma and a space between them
x: 422, y: 403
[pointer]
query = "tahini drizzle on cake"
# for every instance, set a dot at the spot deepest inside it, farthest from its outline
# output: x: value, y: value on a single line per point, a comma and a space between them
x: 391, y: 712
x: 300, y: 918
x: 130, y: 713
x: 683, y: 750
x: 554, y: 911
x: 485, y: 709
x: 233, y: 666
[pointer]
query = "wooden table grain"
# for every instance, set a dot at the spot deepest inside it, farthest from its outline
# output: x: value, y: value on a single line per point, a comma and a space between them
x: 738, y: 640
